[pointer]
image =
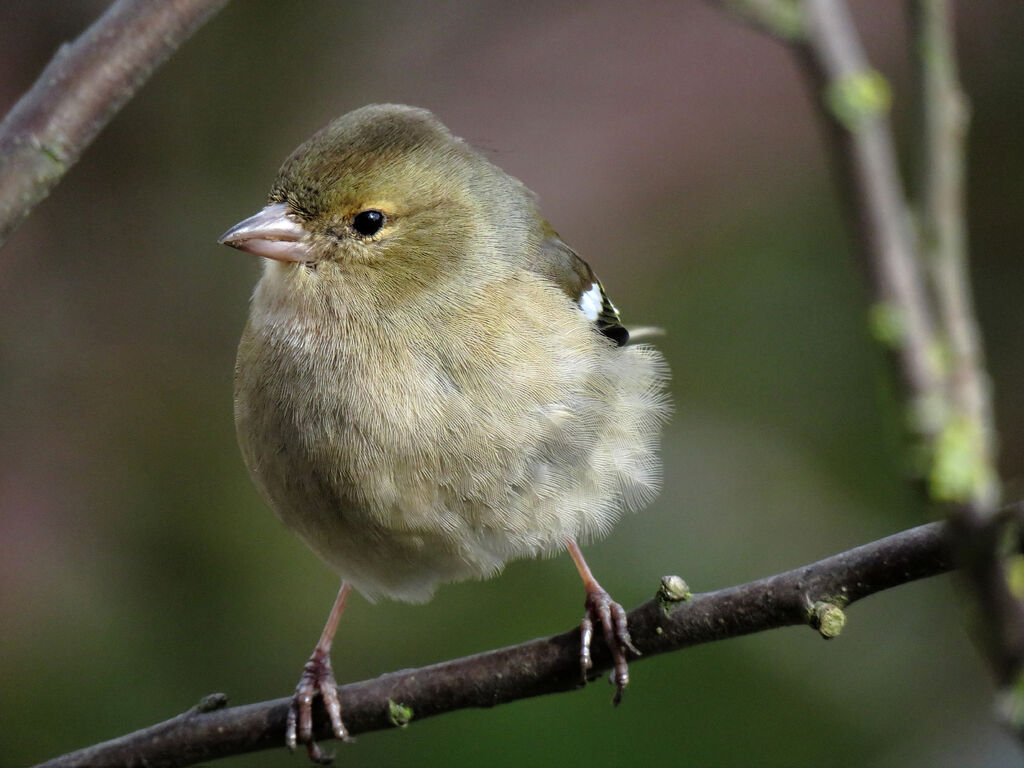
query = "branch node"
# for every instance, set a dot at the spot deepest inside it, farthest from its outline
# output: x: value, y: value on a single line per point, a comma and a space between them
x: 211, y: 703
x: 1015, y: 575
x: 961, y: 470
x: 887, y: 324
x: 856, y: 97
x: 828, y: 619
x: 399, y: 714
x: 1009, y: 705
x: 927, y: 414
x: 673, y: 589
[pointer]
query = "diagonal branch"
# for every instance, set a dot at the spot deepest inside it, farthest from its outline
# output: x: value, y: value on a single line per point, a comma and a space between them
x: 968, y: 445
x: 963, y: 472
x: 780, y: 18
x: 921, y: 287
x: 80, y: 90
x: 855, y: 100
x: 937, y: 338
x: 812, y: 595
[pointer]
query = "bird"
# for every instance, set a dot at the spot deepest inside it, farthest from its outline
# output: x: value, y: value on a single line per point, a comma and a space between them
x: 431, y: 383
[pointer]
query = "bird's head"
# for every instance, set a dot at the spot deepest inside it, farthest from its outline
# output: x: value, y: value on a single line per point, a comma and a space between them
x: 385, y: 191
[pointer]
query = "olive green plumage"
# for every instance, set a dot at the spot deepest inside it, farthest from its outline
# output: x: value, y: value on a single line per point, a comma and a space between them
x: 427, y: 401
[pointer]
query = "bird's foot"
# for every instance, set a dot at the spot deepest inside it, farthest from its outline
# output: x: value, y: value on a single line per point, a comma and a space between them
x: 317, y: 677
x: 601, y: 609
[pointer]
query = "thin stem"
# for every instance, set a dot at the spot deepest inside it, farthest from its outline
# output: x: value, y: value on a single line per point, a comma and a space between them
x: 944, y: 117
x: 929, y: 323
x: 780, y: 18
x: 855, y: 100
x: 80, y: 90
x: 963, y: 473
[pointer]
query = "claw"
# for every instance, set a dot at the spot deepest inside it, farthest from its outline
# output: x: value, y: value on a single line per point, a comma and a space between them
x: 586, y: 635
x: 317, y: 678
x: 601, y: 608
x: 317, y: 755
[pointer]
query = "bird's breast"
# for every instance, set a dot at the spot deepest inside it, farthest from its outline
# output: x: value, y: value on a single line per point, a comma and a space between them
x: 410, y: 453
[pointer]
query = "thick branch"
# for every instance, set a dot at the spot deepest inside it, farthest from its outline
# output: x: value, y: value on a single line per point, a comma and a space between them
x: 79, y: 92
x: 814, y: 594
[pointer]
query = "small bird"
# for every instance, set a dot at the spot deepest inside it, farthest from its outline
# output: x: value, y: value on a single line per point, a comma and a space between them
x: 431, y: 383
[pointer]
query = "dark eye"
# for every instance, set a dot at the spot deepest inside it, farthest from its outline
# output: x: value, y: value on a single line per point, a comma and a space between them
x: 368, y: 223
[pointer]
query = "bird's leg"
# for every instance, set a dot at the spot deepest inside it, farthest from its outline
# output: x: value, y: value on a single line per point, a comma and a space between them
x: 600, y: 607
x: 317, y: 677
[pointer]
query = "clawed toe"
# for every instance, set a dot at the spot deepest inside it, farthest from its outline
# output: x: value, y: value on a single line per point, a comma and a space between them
x: 601, y: 609
x: 317, y: 678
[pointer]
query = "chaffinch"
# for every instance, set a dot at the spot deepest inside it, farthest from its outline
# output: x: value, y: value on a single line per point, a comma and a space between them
x: 432, y: 383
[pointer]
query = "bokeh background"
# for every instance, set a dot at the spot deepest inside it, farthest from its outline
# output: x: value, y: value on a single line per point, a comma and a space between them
x: 677, y: 151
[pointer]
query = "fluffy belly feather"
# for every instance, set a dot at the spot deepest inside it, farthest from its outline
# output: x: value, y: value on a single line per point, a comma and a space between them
x: 452, y: 479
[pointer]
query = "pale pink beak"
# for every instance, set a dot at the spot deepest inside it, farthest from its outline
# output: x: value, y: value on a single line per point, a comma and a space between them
x: 271, y: 233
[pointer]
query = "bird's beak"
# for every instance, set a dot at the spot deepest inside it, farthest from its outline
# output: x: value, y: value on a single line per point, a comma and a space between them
x: 271, y: 233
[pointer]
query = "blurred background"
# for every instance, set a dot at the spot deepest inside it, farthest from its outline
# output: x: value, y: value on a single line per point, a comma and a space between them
x: 675, y: 149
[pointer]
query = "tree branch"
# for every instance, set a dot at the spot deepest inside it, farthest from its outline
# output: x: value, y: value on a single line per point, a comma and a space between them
x: 963, y: 472
x: 813, y: 595
x: 854, y: 98
x: 963, y: 469
x: 780, y: 18
x: 930, y: 324
x: 81, y: 89
x: 87, y: 83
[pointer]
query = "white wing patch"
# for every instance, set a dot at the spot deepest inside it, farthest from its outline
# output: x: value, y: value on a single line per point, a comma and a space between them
x: 591, y: 302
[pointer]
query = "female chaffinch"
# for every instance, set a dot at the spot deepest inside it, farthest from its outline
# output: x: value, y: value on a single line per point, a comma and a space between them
x: 432, y: 383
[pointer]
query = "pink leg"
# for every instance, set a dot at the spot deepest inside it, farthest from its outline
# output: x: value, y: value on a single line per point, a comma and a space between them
x: 600, y: 607
x: 317, y: 677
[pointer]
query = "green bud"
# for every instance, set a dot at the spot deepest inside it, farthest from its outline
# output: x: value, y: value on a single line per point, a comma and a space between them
x: 399, y: 714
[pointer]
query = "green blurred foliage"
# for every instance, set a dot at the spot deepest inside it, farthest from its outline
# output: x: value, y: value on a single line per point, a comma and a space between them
x: 677, y: 151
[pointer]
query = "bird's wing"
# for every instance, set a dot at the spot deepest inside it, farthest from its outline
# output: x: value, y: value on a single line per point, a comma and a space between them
x: 559, y: 263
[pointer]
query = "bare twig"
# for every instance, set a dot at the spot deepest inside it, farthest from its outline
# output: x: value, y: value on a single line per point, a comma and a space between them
x: 855, y: 99
x: 79, y: 92
x: 963, y: 469
x: 815, y: 594
x: 781, y: 18
x: 930, y: 323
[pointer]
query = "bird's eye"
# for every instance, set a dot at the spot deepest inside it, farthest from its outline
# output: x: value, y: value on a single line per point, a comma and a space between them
x: 368, y: 223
